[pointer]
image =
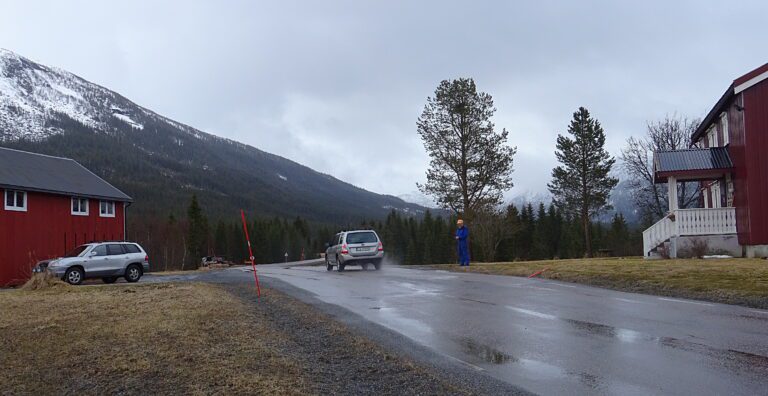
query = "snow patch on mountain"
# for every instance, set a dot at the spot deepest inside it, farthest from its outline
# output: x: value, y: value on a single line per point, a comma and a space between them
x: 128, y: 120
x: 418, y: 198
x: 33, y: 96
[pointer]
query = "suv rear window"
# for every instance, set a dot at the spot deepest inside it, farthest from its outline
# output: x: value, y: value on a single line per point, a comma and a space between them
x: 361, y: 237
x: 131, y: 248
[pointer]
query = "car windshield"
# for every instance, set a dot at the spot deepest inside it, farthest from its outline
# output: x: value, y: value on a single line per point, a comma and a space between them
x: 361, y: 237
x: 76, y: 252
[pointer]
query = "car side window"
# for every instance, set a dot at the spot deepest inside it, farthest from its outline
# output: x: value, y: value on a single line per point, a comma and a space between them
x: 114, y: 249
x: 100, y: 250
x: 131, y: 248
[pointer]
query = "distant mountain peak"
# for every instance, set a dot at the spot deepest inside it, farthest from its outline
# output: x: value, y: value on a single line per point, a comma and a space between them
x: 53, y: 111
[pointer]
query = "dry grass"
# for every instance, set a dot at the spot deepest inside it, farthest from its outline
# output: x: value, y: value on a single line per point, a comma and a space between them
x: 145, y: 339
x: 42, y: 281
x: 731, y: 281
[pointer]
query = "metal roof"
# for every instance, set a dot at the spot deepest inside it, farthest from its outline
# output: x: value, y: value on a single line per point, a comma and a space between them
x: 692, y: 159
x: 57, y: 175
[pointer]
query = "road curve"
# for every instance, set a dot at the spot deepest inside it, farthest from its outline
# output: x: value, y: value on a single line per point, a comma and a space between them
x: 556, y: 338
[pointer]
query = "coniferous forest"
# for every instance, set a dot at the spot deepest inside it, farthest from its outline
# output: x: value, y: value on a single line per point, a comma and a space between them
x: 529, y: 233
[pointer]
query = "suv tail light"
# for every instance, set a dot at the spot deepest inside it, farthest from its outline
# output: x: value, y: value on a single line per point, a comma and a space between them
x: 381, y: 247
x: 344, y: 249
x: 146, y: 258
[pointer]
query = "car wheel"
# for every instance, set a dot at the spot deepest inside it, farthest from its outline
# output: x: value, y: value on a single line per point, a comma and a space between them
x: 365, y: 266
x: 377, y: 265
x: 328, y: 266
x: 133, y: 273
x: 109, y: 279
x: 74, y: 276
x: 341, y: 265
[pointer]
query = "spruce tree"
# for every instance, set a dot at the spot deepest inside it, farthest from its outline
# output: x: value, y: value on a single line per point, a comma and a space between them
x: 581, y: 185
x: 197, y: 232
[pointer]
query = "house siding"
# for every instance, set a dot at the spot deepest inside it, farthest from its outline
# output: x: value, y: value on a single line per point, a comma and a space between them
x: 756, y: 146
x: 737, y: 150
x: 48, y: 229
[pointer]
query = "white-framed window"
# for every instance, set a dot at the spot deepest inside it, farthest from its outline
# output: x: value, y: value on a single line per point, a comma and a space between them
x: 107, y: 208
x: 15, y: 200
x: 79, y: 206
x: 717, y: 197
x: 712, y: 136
x: 724, y: 127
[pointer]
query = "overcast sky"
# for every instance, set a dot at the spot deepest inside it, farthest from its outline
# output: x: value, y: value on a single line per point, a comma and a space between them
x: 338, y: 86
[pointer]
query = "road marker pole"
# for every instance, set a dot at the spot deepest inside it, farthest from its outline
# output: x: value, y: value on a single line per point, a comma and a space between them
x: 537, y: 273
x: 250, y: 253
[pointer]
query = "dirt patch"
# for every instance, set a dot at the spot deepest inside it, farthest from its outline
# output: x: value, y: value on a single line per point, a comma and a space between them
x: 193, y: 339
x: 729, y: 281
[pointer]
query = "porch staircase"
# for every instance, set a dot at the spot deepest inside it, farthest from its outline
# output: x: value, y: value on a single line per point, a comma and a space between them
x: 687, y: 222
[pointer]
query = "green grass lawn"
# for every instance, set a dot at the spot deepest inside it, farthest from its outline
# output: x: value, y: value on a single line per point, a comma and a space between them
x: 730, y: 281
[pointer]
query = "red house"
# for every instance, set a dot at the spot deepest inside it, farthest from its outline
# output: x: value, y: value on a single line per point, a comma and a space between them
x: 729, y: 160
x: 50, y: 205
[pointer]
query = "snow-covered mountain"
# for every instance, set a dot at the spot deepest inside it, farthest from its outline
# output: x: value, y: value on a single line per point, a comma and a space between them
x: 418, y: 198
x: 159, y: 161
x: 31, y: 94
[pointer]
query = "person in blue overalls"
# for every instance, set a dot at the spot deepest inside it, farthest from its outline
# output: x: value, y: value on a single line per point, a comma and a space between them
x: 462, y: 241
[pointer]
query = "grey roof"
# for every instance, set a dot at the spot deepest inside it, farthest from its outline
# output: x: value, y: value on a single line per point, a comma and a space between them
x: 692, y: 159
x: 38, y: 172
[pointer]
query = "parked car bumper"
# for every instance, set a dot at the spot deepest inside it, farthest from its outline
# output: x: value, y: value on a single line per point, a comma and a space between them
x: 56, y: 271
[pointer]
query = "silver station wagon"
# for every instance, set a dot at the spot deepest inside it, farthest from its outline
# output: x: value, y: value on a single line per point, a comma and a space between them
x: 362, y: 247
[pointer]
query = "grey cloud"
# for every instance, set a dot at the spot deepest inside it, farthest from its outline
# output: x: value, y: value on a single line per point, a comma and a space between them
x: 308, y: 80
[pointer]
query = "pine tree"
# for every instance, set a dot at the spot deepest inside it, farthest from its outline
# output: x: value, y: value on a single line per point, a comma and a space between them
x: 471, y: 164
x: 197, y: 232
x: 541, y: 247
x: 581, y: 185
x: 220, y: 239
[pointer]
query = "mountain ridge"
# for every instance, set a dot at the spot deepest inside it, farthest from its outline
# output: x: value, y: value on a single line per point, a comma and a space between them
x: 53, y: 111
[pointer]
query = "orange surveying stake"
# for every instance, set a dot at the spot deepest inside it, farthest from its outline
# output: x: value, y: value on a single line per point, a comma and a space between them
x: 250, y: 255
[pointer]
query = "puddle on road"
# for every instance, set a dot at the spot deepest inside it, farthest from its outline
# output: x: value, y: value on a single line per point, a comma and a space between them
x: 485, y: 352
x: 416, y: 288
x: 623, y: 335
x: 411, y: 328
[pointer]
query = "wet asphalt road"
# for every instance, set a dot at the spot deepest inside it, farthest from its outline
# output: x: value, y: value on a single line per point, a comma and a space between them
x: 552, y: 337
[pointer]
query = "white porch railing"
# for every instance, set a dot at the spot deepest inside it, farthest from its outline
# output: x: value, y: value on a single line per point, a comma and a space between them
x: 714, y: 221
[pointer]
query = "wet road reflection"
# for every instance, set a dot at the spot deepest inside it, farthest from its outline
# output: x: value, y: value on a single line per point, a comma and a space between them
x: 558, y: 340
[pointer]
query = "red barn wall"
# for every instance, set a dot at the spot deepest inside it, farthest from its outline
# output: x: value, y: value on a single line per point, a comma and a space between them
x: 47, y: 230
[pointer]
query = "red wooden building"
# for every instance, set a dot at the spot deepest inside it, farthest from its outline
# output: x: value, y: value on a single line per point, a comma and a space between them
x: 50, y: 205
x: 730, y: 161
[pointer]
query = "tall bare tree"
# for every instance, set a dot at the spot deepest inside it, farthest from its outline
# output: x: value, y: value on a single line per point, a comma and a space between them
x: 471, y: 164
x: 673, y: 132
